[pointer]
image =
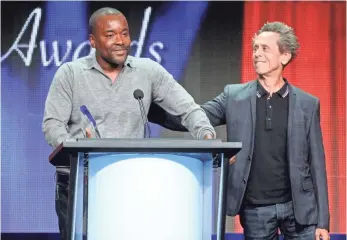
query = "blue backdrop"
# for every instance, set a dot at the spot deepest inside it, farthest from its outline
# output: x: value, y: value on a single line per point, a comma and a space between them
x: 27, y: 178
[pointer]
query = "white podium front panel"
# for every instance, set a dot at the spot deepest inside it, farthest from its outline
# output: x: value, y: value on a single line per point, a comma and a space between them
x: 150, y: 196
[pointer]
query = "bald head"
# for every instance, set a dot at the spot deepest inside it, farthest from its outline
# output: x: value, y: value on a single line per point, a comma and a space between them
x: 101, y: 12
x: 109, y: 35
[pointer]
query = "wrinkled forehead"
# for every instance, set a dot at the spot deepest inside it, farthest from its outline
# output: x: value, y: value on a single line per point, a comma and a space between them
x: 266, y: 38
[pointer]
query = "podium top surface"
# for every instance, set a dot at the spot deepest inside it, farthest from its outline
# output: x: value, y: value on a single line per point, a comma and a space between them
x: 61, y: 155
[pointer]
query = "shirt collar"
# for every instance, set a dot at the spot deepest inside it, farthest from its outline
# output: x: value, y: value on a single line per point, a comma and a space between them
x: 283, y: 92
x: 92, y: 63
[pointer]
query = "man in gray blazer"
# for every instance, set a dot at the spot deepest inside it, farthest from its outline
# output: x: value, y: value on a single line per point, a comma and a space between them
x: 278, y: 180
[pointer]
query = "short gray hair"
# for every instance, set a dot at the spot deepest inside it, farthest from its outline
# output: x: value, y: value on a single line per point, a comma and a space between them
x: 101, y: 12
x: 288, y: 42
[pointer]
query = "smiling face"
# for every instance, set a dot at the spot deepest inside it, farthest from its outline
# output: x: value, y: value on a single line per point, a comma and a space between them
x: 267, y: 58
x: 111, y: 39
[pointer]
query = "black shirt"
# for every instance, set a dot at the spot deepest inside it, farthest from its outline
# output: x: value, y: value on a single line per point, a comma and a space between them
x: 268, y: 181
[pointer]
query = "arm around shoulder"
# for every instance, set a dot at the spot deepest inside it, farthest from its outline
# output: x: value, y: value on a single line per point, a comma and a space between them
x: 159, y: 116
x: 175, y: 100
x: 215, y: 109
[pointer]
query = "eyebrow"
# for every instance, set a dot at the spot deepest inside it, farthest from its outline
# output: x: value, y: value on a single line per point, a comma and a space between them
x: 111, y: 30
x: 262, y: 45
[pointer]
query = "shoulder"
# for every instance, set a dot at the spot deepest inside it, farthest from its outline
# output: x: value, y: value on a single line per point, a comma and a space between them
x: 307, y: 102
x: 239, y: 90
x: 80, y: 63
x: 239, y: 86
x: 66, y: 73
x: 304, y: 97
x: 146, y: 65
x: 74, y: 66
x: 69, y: 72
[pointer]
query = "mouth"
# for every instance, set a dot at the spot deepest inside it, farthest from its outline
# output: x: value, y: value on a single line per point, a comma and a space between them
x: 120, y: 52
x: 257, y: 63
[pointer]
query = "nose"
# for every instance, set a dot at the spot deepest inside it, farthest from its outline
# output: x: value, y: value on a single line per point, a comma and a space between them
x: 119, y: 39
x: 257, y: 52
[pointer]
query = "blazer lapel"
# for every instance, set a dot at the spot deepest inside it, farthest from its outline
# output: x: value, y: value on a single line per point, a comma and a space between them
x: 253, y: 102
x: 291, y: 117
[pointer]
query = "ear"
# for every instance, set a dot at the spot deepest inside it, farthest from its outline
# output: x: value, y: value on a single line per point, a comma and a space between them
x: 285, y: 58
x: 92, y: 40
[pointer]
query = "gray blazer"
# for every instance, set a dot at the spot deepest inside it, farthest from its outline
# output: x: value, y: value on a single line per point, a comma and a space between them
x: 236, y: 107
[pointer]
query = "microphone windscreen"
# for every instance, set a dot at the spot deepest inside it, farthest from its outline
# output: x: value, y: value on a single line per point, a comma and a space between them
x: 138, y: 94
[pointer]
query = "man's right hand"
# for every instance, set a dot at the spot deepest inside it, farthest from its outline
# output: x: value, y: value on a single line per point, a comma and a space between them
x: 88, y: 133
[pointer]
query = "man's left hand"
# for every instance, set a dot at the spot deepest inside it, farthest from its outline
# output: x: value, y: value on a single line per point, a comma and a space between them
x: 322, y: 234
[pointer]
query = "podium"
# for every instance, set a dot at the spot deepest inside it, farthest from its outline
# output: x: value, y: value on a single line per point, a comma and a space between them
x: 148, y: 189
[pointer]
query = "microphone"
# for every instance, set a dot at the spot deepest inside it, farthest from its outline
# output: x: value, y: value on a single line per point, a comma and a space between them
x: 138, y: 95
x: 86, y: 113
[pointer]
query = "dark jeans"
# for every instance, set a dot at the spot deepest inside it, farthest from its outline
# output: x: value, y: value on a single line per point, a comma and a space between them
x: 263, y: 222
x: 61, y: 203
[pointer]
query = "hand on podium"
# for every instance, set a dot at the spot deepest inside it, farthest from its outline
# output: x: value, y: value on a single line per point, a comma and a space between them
x: 231, y: 160
x: 88, y: 133
x: 208, y: 136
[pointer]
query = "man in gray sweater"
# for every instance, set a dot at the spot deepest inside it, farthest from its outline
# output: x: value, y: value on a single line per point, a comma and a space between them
x: 105, y: 82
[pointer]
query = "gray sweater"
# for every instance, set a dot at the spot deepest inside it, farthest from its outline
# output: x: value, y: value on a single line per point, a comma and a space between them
x: 116, y: 111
